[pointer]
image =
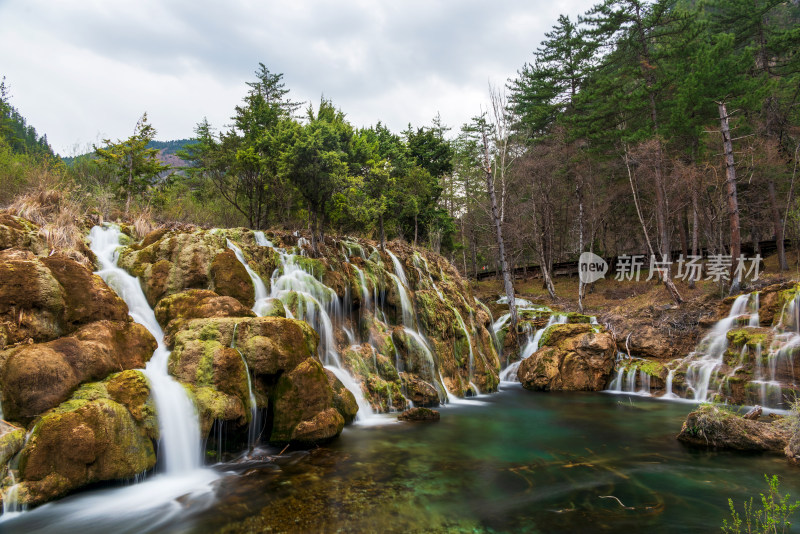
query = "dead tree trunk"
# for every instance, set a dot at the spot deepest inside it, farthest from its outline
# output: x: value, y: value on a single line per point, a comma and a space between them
x: 673, y: 291
x: 579, y: 194
x: 733, y: 201
x: 501, y: 251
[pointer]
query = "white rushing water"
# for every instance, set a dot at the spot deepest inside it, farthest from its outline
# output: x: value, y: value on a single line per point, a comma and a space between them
x: 703, y: 369
x: 179, y: 429
x: 318, y: 305
x: 509, y: 374
x: 183, y: 486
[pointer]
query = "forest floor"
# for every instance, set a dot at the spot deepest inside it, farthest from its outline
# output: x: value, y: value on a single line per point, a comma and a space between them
x: 643, y: 307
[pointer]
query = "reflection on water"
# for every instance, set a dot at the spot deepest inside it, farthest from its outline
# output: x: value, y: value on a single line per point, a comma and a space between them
x: 519, y: 462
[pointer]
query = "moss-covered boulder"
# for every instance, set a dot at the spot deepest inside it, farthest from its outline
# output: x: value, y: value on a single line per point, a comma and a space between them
x: 32, y: 302
x: 174, y: 262
x: 572, y: 357
x: 230, y: 278
x: 712, y: 426
x: 12, y: 438
x: 378, y: 376
x: 37, y: 377
x: 420, y: 392
x: 270, y: 345
x: 272, y: 307
x: 298, y: 402
x: 42, y: 299
x: 173, y: 311
x: 87, y: 297
x: 343, y: 399
x: 16, y: 232
x: 80, y: 442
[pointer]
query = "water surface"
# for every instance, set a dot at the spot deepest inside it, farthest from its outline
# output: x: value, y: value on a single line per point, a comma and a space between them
x: 511, y: 462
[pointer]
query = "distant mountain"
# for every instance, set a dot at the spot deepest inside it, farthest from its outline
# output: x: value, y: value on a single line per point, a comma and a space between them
x: 167, y: 152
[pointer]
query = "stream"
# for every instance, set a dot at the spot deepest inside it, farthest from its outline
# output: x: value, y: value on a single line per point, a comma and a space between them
x: 514, y: 461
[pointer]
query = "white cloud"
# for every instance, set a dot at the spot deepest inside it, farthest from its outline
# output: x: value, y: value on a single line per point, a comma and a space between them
x: 80, y: 71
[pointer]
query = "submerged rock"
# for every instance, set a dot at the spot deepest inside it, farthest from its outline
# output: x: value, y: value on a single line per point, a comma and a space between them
x: 419, y: 414
x: 716, y: 427
x: 572, y: 358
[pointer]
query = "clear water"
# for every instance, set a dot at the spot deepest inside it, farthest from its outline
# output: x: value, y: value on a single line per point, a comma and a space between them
x: 516, y: 461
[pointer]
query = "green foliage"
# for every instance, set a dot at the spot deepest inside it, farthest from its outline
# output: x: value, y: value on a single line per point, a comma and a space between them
x: 15, y: 132
x: 772, y: 517
x: 135, y: 167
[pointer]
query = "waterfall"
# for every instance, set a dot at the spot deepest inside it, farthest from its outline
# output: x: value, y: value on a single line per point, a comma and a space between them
x: 669, y: 394
x: 318, y: 305
x: 258, y: 283
x: 405, y: 302
x: 398, y: 268
x: 703, y: 370
x: 253, y: 430
x: 509, y: 374
x: 179, y: 429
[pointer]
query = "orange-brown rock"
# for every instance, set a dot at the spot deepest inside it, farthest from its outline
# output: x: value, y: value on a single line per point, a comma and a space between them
x: 40, y: 376
x: 572, y: 358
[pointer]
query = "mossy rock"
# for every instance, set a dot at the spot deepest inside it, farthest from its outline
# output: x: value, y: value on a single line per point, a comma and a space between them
x: 343, y: 399
x: 300, y: 396
x: 175, y: 262
x: 82, y: 442
x: 272, y: 307
x: 214, y: 405
x: 751, y: 337
x: 197, y: 304
x: 12, y: 439
x: 40, y: 376
x: 32, y: 302
x: 20, y: 233
x: 230, y: 278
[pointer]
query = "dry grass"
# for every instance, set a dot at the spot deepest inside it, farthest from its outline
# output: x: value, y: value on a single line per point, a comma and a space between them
x: 60, y: 219
x: 143, y: 223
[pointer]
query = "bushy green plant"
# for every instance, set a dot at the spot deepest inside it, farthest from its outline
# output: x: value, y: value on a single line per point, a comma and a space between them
x: 772, y: 517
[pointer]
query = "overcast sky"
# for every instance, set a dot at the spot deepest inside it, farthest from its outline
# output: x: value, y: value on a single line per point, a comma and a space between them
x: 82, y: 70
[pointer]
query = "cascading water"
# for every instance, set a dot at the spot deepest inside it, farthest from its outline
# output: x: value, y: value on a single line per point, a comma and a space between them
x: 509, y: 374
x: 702, y: 370
x: 179, y: 429
x: 315, y: 303
x: 253, y: 430
x: 258, y: 283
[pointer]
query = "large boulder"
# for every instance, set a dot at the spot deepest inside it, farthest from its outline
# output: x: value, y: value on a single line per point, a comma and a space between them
x: 16, y: 232
x: 174, y: 261
x: 42, y: 299
x: 712, y: 426
x: 37, y: 377
x: 270, y: 345
x: 32, y: 302
x: 303, y: 406
x: 573, y: 357
x: 173, y: 311
x: 81, y: 442
x: 230, y: 278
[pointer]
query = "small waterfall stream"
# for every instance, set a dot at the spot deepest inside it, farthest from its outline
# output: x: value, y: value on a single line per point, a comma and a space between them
x: 509, y: 374
x: 316, y: 304
x: 179, y: 428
